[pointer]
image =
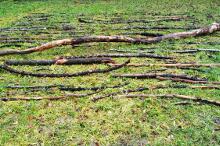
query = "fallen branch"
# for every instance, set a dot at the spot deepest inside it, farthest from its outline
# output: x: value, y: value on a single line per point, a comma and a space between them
x: 45, y: 98
x: 65, y: 88
x: 24, y: 73
x: 172, y: 51
x: 198, y: 32
x: 139, y: 89
x: 196, y: 50
x: 187, y: 81
x: 131, y: 51
x: 147, y: 34
x: 177, y: 65
x: 129, y: 21
x: 155, y: 28
x: 96, y: 98
x: 184, y: 97
x: 155, y: 75
x: 92, y: 60
x: 172, y: 77
x: 128, y: 55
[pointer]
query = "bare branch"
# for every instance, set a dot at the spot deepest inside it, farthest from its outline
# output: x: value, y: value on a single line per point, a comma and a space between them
x: 24, y: 73
x: 198, y: 32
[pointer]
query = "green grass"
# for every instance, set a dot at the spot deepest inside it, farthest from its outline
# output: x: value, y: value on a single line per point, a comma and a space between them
x: 111, y: 121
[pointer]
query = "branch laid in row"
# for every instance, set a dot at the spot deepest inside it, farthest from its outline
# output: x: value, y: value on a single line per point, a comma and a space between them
x: 140, y: 89
x: 187, y: 81
x: 127, y: 55
x: 24, y: 73
x: 172, y: 51
x: 155, y: 28
x: 66, y: 96
x: 172, y: 77
x: 64, y: 61
x: 177, y: 65
x: 198, y: 32
x: 196, y: 50
x: 130, y: 21
x: 184, y: 97
x: 147, y: 34
x: 65, y: 88
x: 155, y: 75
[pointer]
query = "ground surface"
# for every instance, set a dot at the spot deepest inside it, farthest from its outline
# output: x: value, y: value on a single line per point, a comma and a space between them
x: 80, y: 121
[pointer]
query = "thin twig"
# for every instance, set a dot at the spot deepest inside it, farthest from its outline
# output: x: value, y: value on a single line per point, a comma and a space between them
x: 45, y: 98
x: 184, y: 97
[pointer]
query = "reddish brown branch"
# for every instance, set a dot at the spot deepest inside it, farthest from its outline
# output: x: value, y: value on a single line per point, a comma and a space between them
x: 24, y: 73
x: 198, y: 32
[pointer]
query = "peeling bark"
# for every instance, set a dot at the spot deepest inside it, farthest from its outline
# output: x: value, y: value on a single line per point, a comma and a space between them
x: 198, y: 32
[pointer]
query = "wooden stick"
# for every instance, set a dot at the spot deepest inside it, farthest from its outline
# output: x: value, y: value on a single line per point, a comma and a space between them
x: 5, y: 99
x: 147, y: 34
x: 175, y: 78
x: 129, y: 21
x: 198, y: 32
x: 177, y: 65
x: 155, y: 75
x: 155, y: 28
x: 24, y: 73
x: 172, y: 51
x: 118, y: 55
x: 196, y: 50
x: 65, y: 88
x: 184, y: 97
x: 139, y: 89
x: 96, y: 98
x: 72, y: 61
x: 187, y: 81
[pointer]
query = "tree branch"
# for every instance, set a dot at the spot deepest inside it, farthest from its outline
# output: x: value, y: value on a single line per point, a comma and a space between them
x: 198, y: 32
x: 24, y: 73
x: 184, y: 97
x: 64, y: 61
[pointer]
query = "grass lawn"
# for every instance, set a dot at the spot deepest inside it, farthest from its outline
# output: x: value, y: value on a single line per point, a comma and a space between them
x: 112, y: 120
